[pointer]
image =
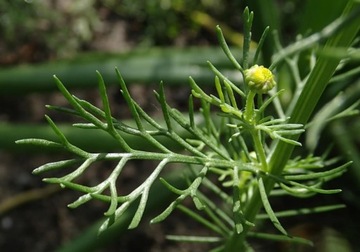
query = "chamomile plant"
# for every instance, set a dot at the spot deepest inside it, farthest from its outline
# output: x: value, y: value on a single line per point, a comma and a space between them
x: 242, y: 135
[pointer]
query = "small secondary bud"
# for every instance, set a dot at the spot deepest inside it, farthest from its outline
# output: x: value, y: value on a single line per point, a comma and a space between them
x: 259, y: 79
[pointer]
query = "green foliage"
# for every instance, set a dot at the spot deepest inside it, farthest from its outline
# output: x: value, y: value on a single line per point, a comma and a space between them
x: 243, y: 137
x: 172, y: 65
x: 165, y: 21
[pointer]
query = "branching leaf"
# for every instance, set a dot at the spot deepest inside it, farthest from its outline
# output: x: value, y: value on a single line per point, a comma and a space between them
x: 39, y: 142
x: 55, y: 165
x: 268, y: 208
x: 226, y: 49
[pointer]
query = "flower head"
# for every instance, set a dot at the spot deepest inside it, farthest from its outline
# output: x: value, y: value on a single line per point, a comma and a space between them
x: 259, y: 79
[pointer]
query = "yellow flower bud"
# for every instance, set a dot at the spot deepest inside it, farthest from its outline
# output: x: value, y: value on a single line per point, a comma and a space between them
x: 259, y: 79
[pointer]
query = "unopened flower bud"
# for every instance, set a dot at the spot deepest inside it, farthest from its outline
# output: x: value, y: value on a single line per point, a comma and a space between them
x: 259, y: 79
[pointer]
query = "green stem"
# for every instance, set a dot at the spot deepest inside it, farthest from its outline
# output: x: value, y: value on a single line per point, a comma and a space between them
x: 260, y: 153
x: 172, y: 65
x: 249, y: 113
x: 249, y: 116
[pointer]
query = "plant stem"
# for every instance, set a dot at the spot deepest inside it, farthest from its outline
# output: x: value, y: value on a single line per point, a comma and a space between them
x: 256, y: 136
x: 249, y: 113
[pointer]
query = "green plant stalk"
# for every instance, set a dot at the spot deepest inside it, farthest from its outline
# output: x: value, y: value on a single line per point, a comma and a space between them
x: 313, y: 89
x: 170, y: 65
x: 249, y: 115
x: 256, y: 136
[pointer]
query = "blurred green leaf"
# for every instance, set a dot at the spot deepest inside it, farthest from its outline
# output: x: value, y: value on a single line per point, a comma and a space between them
x: 171, y: 65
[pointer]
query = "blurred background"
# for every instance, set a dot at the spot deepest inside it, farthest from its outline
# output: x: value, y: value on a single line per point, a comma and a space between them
x: 148, y: 41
